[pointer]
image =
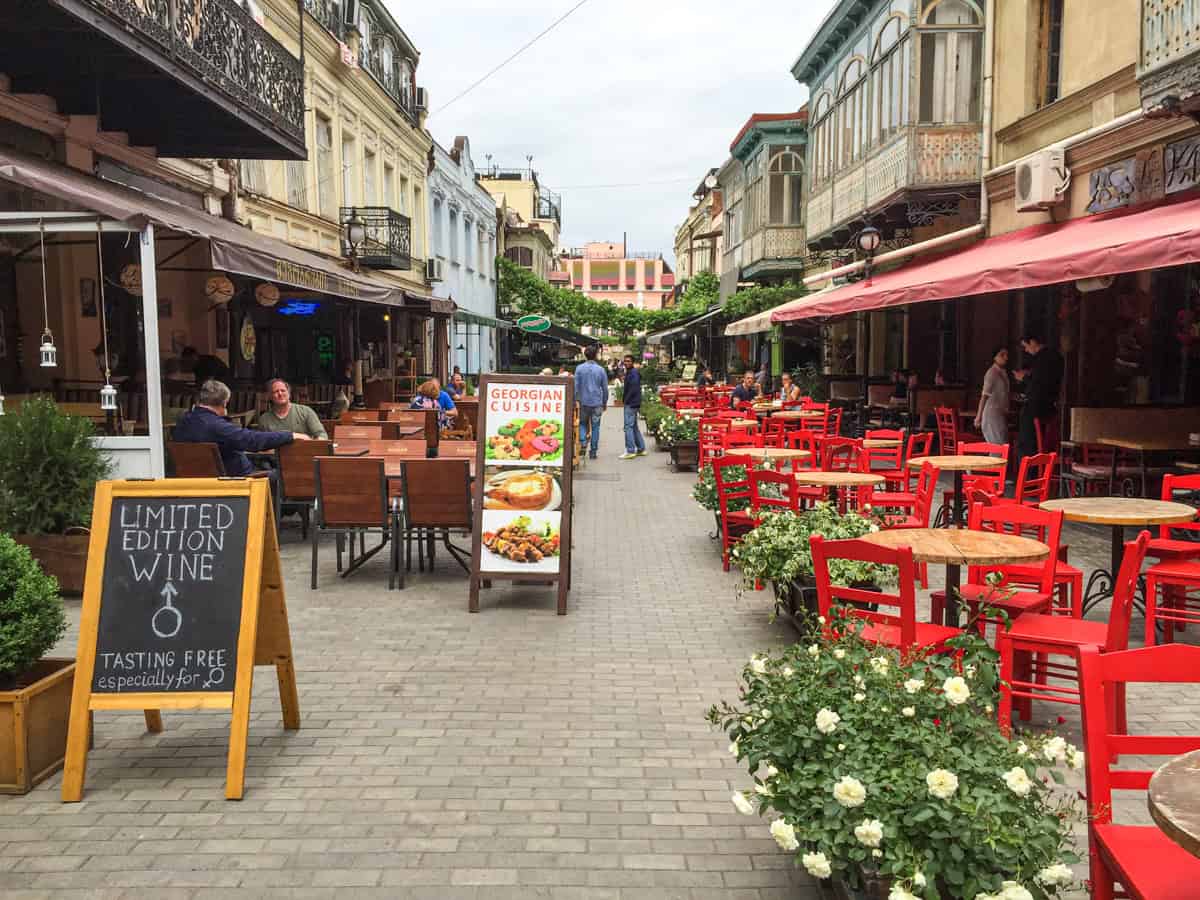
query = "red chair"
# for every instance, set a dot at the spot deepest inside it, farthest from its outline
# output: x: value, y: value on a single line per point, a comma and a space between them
x: 804, y: 440
x: 833, y: 425
x: 922, y: 505
x: 1008, y: 518
x: 839, y: 454
x: 1146, y: 862
x: 1025, y: 648
x: 899, y: 480
x: 732, y: 439
x: 1034, y: 478
x: 987, y: 478
x: 784, y: 483
x: 734, y: 523
x: 899, y: 630
x: 1166, y: 547
x: 1091, y: 471
x: 890, y: 459
x: 712, y: 435
x: 947, y: 428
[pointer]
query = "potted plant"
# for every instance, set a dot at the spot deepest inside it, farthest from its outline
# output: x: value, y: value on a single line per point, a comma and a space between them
x: 35, y: 693
x: 618, y: 394
x: 778, y: 551
x: 682, y: 437
x: 654, y: 412
x: 888, y: 777
x: 49, y: 467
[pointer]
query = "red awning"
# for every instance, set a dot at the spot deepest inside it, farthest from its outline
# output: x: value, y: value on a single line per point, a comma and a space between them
x: 1154, y: 237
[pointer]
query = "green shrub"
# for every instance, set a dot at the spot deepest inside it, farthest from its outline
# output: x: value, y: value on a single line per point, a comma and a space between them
x: 672, y: 430
x: 48, y: 469
x: 31, y: 612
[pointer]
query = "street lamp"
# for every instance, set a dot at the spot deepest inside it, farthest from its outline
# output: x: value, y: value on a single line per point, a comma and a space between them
x: 356, y: 234
x: 869, y: 240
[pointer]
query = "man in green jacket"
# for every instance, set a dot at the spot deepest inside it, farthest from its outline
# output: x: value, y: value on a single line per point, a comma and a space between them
x: 284, y: 415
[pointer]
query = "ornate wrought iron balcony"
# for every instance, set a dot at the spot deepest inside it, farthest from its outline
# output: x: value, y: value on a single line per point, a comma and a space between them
x: 189, y: 77
x: 388, y: 242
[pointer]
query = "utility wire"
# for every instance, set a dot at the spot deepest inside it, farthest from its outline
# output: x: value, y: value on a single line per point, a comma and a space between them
x: 629, y: 184
x: 521, y: 50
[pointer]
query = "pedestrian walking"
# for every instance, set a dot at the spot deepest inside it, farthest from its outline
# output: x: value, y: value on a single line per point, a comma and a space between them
x: 992, y: 415
x: 591, y: 393
x: 635, y: 444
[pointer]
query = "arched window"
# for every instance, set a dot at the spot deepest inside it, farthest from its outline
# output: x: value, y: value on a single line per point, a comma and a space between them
x: 821, y: 135
x: 890, y: 69
x: 951, y: 62
x: 786, y: 175
x: 851, y: 112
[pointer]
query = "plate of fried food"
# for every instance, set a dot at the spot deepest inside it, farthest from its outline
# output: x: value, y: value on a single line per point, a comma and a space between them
x: 521, y: 489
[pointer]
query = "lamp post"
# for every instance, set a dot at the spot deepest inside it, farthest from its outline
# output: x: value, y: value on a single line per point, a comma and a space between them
x: 356, y: 234
x: 868, y: 241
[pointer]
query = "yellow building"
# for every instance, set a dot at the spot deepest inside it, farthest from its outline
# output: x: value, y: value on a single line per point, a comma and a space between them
x: 531, y: 215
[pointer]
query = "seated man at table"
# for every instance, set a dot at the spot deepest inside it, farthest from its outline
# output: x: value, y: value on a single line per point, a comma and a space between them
x: 205, y: 423
x: 458, y: 386
x: 445, y: 402
x: 746, y: 391
x: 284, y: 415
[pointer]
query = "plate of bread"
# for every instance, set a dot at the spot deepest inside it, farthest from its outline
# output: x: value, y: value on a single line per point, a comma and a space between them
x: 521, y: 489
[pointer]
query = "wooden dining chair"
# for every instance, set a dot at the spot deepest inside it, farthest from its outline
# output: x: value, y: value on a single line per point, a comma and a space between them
x: 297, y: 477
x: 731, y: 492
x: 360, y: 432
x: 409, y: 449
x: 361, y: 416
x: 458, y: 450
x: 352, y: 501
x: 411, y: 417
x: 436, y: 501
x: 196, y: 460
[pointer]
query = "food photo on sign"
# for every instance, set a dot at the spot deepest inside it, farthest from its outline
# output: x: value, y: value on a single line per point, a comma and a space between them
x: 526, y: 424
x: 505, y: 488
x: 521, y: 542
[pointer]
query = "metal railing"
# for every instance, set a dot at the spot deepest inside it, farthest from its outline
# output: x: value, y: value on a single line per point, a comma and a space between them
x: 218, y: 41
x: 388, y: 241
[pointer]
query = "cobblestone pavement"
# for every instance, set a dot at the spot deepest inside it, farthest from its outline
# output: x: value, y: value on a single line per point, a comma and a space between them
x: 512, y: 754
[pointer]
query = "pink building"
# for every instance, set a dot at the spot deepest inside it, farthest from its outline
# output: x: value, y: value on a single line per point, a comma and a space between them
x: 605, y: 271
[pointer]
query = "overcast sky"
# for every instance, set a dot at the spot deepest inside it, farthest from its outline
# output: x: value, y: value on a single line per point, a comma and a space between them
x: 622, y: 92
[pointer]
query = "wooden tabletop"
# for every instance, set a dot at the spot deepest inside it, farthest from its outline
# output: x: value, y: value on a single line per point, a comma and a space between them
x: 392, y: 467
x: 960, y: 547
x: 1150, y: 444
x: 838, y: 479
x: 797, y: 414
x: 881, y: 443
x: 1174, y: 801
x: 956, y: 463
x: 744, y: 423
x: 1121, y: 510
x: 768, y: 452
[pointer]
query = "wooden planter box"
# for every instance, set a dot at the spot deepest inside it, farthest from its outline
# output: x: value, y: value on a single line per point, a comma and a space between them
x: 685, y: 454
x: 661, y: 445
x: 33, y: 725
x: 62, y: 555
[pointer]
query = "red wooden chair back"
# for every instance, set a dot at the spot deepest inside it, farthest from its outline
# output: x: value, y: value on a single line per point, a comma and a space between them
x: 712, y: 435
x: 885, y: 457
x: 1034, y: 478
x: 816, y: 424
x: 733, y: 439
x: 729, y: 488
x: 809, y: 403
x: 1171, y: 484
x: 947, y: 427
x: 840, y: 455
x: 789, y: 497
x: 904, y: 602
x: 1124, y: 593
x: 926, y: 488
x: 1026, y: 521
x: 804, y: 440
x: 991, y: 478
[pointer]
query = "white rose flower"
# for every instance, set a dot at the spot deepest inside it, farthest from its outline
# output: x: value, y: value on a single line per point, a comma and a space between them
x: 821, y: 620
x: 787, y: 671
x: 1076, y: 760
x: 874, y: 528
x: 744, y: 806
x: 908, y: 712
x: 969, y: 671
x: 913, y: 685
x: 1018, y: 781
x: 860, y: 697
x: 941, y: 784
x: 1057, y: 874
x: 850, y: 792
x: 1022, y: 748
x: 956, y: 691
x: 785, y: 835
x: 762, y: 790
x: 841, y: 747
x: 879, y: 664
x: 918, y: 879
x: 816, y: 865
x: 858, y: 681
x: 869, y: 832
x: 1055, y: 750
x: 878, y: 854
x: 899, y: 893
x: 734, y: 749
x: 758, y: 665
x: 814, y: 651
x: 1011, y: 890
x: 771, y: 771
x: 827, y: 721
x: 766, y: 714
x: 839, y: 653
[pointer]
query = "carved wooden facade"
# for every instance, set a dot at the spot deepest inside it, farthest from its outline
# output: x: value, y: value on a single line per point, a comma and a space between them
x: 1169, y: 63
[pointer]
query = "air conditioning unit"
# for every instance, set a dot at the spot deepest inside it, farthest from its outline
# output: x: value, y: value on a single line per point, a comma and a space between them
x: 422, y: 98
x: 433, y: 270
x: 1042, y: 180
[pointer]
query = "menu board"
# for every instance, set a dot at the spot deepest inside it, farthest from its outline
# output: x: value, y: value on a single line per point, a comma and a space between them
x: 523, y: 492
x: 183, y: 598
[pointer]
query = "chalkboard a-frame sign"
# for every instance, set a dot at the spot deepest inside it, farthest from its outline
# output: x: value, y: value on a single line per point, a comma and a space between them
x: 183, y: 598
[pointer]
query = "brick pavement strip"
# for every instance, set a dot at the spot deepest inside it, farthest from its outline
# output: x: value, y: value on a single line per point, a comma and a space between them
x: 511, y: 754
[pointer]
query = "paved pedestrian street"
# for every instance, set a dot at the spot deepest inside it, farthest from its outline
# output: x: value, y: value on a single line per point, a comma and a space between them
x: 510, y: 754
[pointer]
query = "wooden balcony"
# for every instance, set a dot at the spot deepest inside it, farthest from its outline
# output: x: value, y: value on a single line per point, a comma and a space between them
x: 1169, y: 64
x: 188, y: 77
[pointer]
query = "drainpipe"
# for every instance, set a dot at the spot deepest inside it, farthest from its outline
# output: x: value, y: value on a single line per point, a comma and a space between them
x: 1074, y: 140
x: 989, y: 63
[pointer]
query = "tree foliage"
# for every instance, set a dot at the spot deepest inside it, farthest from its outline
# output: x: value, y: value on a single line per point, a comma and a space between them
x: 31, y: 613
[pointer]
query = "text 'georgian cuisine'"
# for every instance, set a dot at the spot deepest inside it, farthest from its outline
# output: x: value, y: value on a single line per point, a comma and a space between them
x: 517, y: 543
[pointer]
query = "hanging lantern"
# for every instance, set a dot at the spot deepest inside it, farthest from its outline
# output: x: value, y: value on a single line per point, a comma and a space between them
x: 266, y: 294
x: 108, y: 398
x: 48, y: 353
x: 131, y: 279
x: 218, y: 290
x: 1, y: 403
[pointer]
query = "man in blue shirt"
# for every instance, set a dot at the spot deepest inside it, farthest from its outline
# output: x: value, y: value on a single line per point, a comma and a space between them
x: 635, y: 445
x: 745, y: 392
x: 591, y: 393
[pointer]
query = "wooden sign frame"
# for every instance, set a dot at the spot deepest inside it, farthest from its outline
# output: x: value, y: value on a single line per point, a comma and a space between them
x: 562, y: 579
x: 263, y: 634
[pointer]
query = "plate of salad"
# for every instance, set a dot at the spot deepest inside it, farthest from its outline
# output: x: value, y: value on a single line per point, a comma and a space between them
x: 527, y: 441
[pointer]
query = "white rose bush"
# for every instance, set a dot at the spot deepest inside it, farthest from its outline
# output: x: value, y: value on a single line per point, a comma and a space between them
x: 911, y: 792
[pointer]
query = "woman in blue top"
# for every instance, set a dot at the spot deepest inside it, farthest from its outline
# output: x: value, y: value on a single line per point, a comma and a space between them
x: 430, y: 396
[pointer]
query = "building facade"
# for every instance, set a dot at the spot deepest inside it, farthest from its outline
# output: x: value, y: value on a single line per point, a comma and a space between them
x: 699, y: 240
x: 531, y: 215
x: 462, y: 236
x: 607, y: 271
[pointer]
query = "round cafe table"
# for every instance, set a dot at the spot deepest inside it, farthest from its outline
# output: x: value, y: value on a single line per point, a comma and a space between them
x: 797, y: 414
x: 881, y: 443
x: 835, y: 480
x: 768, y: 453
x: 957, y: 547
x: 744, y: 423
x: 957, y: 465
x: 1174, y: 801
x: 1116, y: 513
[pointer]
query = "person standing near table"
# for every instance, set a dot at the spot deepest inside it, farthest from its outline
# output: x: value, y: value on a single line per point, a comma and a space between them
x: 992, y: 415
x: 635, y: 444
x: 745, y: 392
x: 1043, y: 381
x: 591, y: 393
x: 284, y: 415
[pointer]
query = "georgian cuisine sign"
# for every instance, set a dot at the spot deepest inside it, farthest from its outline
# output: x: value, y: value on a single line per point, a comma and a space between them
x: 523, y: 491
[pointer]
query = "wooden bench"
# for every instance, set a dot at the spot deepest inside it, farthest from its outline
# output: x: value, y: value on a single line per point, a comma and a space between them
x: 1136, y: 432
